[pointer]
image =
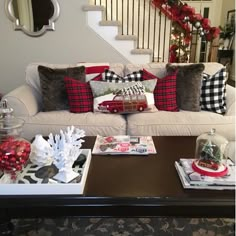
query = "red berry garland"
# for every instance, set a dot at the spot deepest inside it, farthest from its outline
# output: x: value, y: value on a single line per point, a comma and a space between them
x: 182, y: 13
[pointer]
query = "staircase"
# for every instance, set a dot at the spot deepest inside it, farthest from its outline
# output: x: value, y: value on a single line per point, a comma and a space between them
x: 138, y: 30
x: 110, y: 32
x: 131, y: 27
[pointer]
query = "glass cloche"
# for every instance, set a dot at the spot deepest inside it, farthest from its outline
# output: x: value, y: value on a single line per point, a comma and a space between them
x: 209, y: 154
x: 14, y: 150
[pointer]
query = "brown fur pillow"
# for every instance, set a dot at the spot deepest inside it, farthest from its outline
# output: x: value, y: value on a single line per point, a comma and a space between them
x: 52, y: 86
x: 188, y: 85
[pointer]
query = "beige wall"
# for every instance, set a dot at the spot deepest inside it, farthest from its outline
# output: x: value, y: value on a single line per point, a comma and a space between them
x: 230, y: 5
x: 226, y: 6
x: 72, y: 42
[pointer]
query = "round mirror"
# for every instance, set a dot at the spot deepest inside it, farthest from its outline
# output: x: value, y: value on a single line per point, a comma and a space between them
x: 33, y: 17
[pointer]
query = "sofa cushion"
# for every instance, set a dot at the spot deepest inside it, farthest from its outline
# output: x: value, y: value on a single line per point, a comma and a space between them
x: 123, y: 97
x: 52, y: 86
x: 213, y: 92
x: 188, y: 85
x: 79, y: 94
x: 157, y: 69
x: 111, y: 76
x: 183, y: 123
x: 164, y: 92
x: 92, y: 123
x: 212, y: 67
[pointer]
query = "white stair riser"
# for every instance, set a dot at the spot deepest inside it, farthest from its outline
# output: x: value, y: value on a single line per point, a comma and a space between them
x: 108, y: 33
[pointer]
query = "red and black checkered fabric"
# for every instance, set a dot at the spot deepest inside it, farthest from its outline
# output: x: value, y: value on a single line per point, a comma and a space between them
x: 164, y: 92
x: 80, y: 95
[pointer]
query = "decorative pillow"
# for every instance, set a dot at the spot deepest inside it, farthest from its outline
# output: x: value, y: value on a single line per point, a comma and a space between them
x: 127, y: 97
x: 52, y: 86
x: 111, y: 76
x: 188, y: 85
x: 164, y: 92
x: 32, y: 74
x: 94, y: 69
x: 80, y: 95
x: 213, y: 92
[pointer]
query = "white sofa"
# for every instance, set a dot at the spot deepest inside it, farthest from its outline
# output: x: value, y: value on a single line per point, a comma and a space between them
x: 26, y: 101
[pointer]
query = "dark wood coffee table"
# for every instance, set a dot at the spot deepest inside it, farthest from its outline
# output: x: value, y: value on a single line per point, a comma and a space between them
x: 129, y: 186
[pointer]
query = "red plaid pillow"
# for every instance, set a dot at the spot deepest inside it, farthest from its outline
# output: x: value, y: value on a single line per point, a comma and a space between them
x: 164, y: 92
x: 79, y: 94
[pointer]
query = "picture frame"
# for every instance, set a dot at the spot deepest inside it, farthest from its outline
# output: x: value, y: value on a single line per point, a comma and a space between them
x: 231, y: 16
x: 231, y: 21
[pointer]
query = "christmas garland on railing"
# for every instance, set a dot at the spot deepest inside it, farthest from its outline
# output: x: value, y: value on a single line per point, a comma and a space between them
x: 183, y: 14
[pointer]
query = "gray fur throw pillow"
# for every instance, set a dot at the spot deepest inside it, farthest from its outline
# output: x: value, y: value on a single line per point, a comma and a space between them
x: 188, y: 85
x: 54, y: 94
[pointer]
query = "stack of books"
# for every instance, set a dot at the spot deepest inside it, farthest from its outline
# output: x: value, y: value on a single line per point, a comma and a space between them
x: 193, y: 180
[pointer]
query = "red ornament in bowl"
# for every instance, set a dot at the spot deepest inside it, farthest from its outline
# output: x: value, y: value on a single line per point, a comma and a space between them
x: 14, y: 151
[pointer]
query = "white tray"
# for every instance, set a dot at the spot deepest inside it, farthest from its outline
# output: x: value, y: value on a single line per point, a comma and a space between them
x: 52, y: 187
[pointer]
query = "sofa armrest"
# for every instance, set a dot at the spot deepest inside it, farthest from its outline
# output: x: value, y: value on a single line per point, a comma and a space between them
x: 24, y: 101
x: 230, y: 100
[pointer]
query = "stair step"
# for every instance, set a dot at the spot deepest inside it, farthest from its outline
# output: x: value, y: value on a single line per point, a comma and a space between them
x: 110, y: 23
x: 141, y: 51
x: 126, y: 37
x: 93, y: 8
x: 110, y: 31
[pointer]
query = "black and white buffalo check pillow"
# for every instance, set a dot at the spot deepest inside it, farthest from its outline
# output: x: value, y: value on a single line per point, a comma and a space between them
x: 213, y: 92
x: 111, y: 76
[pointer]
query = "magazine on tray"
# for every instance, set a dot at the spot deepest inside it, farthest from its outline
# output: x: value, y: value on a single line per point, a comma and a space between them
x: 124, y: 144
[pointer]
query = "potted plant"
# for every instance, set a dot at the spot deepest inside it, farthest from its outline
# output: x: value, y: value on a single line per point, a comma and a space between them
x: 227, y: 34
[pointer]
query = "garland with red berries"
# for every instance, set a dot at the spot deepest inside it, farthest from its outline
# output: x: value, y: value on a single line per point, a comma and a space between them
x: 183, y: 14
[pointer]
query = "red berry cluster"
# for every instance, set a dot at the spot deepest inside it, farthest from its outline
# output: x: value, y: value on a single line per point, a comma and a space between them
x: 13, y: 154
x: 182, y: 14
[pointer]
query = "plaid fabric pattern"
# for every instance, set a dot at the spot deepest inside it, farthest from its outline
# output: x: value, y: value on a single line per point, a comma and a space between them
x: 213, y: 92
x: 164, y: 92
x: 111, y: 76
x: 79, y: 94
x: 147, y: 75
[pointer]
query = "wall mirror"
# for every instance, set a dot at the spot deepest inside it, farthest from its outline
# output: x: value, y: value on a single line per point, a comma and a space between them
x: 33, y: 17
